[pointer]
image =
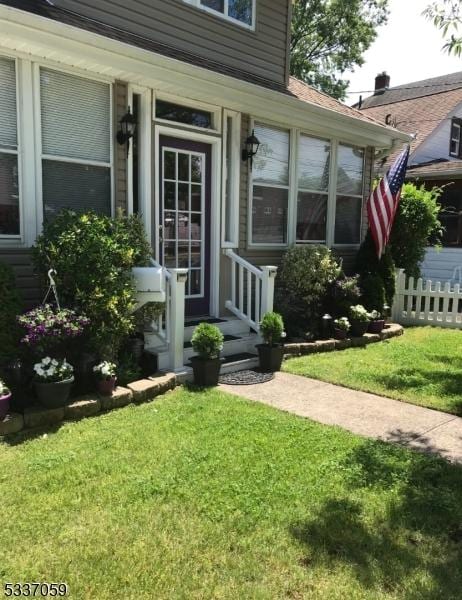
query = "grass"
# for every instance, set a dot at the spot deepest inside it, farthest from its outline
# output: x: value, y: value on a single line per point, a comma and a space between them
x: 423, y: 367
x: 202, y: 495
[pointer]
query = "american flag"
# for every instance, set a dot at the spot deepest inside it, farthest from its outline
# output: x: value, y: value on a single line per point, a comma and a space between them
x: 384, y: 200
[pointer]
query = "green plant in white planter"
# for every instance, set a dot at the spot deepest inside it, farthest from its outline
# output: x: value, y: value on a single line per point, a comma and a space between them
x: 271, y: 352
x: 207, y: 342
x: 53, y: 381
x: 360, y: 319
x: 341, y: 328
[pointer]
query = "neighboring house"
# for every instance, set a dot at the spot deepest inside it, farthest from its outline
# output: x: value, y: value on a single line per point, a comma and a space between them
x: 432, y: 111
x: 199, y: 77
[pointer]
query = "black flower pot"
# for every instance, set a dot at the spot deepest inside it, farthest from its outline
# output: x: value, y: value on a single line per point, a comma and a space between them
x: 54, y: 395
x: 359, y: 328
x: 376, y: 326
x: 270, y: 357
x: 206, y: 371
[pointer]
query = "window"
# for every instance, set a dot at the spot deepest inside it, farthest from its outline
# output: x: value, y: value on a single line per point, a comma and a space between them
x: 455, y: 146
x: 349, y: 195
x: 241, y: 12
x: 183, y: 114
x: 313, y: 189
x: 9, y: 148
x: 270, y: 181
x: 76, y: 143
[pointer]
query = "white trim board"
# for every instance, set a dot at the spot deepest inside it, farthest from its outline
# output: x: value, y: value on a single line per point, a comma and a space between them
x: 27, y: 33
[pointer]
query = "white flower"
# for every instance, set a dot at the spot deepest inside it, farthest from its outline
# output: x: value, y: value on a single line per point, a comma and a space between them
x: 46, y: 361
x: 55, y: 363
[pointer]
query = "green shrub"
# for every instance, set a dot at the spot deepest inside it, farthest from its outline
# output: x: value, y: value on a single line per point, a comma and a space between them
x: 272, y: 328
x: 10, y: 307
x: 207, y: 341
x: 373, y: 292
x: 128, y: 369
x: 368, y: 265
x: 341, y: 294
x: 301, y: 286
x: 416, y: 226
x: 93, y: 256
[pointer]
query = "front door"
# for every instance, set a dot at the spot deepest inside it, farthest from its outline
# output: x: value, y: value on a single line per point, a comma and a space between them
x: 185, y: 199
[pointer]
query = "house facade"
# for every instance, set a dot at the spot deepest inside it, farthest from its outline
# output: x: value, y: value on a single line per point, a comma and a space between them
x: 430, y: 110
x: 201, y: 79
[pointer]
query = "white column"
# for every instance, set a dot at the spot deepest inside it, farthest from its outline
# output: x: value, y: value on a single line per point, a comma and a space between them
x: 177, y: 286
x: 267, y: 289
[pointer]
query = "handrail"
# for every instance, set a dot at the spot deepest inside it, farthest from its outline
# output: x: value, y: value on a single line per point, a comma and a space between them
x: 154, y: 263
x: 252, y: 290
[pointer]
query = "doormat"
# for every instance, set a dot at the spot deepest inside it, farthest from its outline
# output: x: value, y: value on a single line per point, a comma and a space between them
x: 247, y: 377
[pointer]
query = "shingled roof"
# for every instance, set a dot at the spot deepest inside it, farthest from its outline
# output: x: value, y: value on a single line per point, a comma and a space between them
x: 414, y: 90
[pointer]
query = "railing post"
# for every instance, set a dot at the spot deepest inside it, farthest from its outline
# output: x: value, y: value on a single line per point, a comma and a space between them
x: 177, y: 309
x: 267, y: 289
x: 400, y: 279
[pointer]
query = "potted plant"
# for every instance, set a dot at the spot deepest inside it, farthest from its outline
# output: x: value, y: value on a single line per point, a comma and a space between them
x: 359, y: 318
x: 53, y: 381
x: 5, y: 396
x: 341, y: 328
x: 271, y: 352
x: 106, y: 378
x: 377, y: 322
x: 207, y: 341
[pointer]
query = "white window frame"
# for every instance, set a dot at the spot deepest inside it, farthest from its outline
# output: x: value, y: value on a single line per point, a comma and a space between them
x: 455, y: 122
x: 15, y: 238
x: 299, y: 189
x: 289, y: 187
x: 40, y: 156
x: 188, y: 103
x: 234, y: 179
x: 225, y: 14
x: 358, y: 196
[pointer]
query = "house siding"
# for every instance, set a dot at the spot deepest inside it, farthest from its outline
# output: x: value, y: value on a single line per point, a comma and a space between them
x: 20, y: 260
x: 439, y: 264
x: 437, y: 144
x: 120, y: 91
x: 262, y: 53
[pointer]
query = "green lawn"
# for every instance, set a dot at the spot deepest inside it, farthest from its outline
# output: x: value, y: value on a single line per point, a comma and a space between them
x: 423, y: 367
x: 202, y: 495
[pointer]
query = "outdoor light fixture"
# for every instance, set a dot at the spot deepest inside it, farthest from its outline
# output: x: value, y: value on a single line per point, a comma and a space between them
x: 252, y: 144
x: 127, y: 128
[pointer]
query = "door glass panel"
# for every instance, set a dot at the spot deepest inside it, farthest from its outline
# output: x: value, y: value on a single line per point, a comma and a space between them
x: 196, y: 226
x: 169, y: 195
x: 183, y: 226
x: 195, y: 254
x: 196, y: 198
x: 183, y: 256
x: 183, y: 167
x: 195, y: 282
x: 183, y: 196
x: 170, y: 254
x: 196, y: 169
x: 169, y: 225
x: 169, y: 165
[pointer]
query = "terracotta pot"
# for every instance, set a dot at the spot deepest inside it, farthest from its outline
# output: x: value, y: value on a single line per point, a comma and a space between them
x: 4, y: 405
x: 55, y: 394
x: 376, y: 326
x: 359, y: 328
x: 340, y: 334
x: 270, y: 357
x: 206, y: 371
x: 106, y: 387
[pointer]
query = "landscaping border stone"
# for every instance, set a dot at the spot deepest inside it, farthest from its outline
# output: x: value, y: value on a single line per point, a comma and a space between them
x: 38, y: 417
x: 301, y: 348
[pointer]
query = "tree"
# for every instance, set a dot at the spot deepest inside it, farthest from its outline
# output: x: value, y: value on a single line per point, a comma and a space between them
x: 416, y: 226
x: 330, y: 37
x: 447, y: 16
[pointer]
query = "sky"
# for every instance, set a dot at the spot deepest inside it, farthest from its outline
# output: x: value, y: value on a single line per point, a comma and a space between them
x: 408, y: 47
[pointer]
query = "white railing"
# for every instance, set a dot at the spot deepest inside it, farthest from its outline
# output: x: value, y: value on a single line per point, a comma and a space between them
x: 426, y: 302
x: 161, y: 325
x: 252, y: 290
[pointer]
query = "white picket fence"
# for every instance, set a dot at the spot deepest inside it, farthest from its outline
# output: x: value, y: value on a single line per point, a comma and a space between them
x: 427, y: 303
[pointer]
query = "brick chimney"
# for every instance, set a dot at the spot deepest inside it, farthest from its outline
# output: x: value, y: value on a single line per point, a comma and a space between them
x: 382, y: 83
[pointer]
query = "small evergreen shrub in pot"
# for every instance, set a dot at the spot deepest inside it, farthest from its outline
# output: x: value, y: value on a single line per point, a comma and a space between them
x: 105, y: 373
x: 377, y: 322
x: 53, y: 381
x: 271, y: 352
x: 207, y: 341
x: 359, y: 318
x: 341, y: 328
x: 5, y: 396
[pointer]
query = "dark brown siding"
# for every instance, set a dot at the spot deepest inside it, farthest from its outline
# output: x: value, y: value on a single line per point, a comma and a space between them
x: 120, y: 152
x: 176, y: 24
x: 27, y: 284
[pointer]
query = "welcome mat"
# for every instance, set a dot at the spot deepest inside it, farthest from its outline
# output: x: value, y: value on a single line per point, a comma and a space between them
x: 247, y: 377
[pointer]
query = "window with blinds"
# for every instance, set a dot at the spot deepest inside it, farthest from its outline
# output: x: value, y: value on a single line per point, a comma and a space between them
x: 270, y: 177
x: 76, y: 143
x: 9, y: 149
x: 350, y: 184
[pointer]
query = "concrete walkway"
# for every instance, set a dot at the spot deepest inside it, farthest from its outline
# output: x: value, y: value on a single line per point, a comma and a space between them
x: 366, y: 414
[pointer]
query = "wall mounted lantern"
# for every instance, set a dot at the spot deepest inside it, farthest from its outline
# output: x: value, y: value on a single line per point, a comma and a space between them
x: 252, y: 144
x: 127, y: 129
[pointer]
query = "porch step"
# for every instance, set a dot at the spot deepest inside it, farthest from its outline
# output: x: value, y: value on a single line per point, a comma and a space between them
x: 228, y: 326
x: 239, y: 362
x: 231, y: 346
